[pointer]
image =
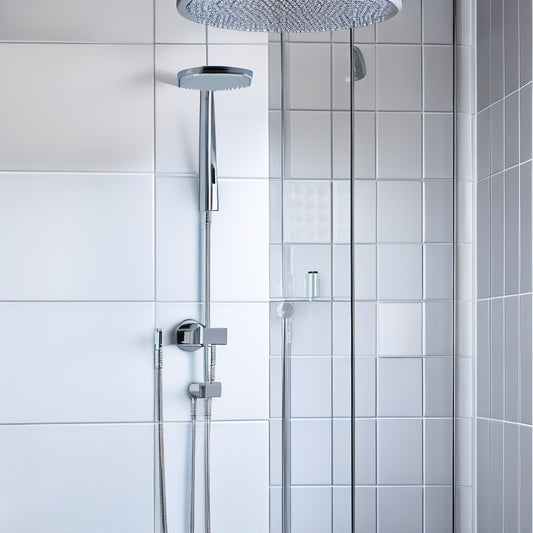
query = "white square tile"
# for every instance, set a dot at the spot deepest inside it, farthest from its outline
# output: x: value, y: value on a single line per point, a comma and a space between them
x: 301, y: 259
x: 438, y: 452
x: 399, y: 78
x: 438, y: 386
x: 176, y: 110
x: 177, y: 201
x: 311, y: 452
x: 438, y: 509
x: 108, y: 467
x: 311, y: 510
x: 77, y: 237
x: 399, y: 145
x: 311, y: 387
x: 399, y: 387
x: 438, y: 146
x: 438, y: 330
x: 310, y: 144
x: 438, y: 78
x: 171, y: 27
x: 406, y: 27
x: 400, y: 271
x: 102, y: 370
x: 237, y: 275
x: 399, y: 201
x: 242, y: 144
x: 99, y: 99
x: 97, y: 21
x: 307, y: 211
x: 311, y: 329
x: 400, y: 509
x: 399, y: 452
x: 400, y: 329
x: 306, y: 89
x: 438, y: 21
x: 438, y: 211
x: 438, y: 271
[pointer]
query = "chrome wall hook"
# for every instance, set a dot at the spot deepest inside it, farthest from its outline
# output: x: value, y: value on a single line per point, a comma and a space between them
x: 191, y: 336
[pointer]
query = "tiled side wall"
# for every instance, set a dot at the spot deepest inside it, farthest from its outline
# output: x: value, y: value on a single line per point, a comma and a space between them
x: 100, y: 243
x: 404, y: 273
x: 504, y: 269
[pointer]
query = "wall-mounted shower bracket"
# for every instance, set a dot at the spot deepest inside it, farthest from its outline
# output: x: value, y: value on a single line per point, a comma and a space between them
x: 205, y: 390
x: 191, y: 336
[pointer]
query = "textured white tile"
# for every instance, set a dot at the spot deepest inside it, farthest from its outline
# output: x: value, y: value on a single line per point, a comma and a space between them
x: 311, y: 387
x: 171, y: 27
x: 399, y: 201
x: 99, y: 99
x: 241, y: 224
x: 311, y: 510
x: 400, y: 329
x: 97, y: 21
x: 179, y: 234
x: 310, y: 144
x: 399, y: 78
x: 78, y: 478
x: 242, y: 116
x: 399, y: 387
x: 311, y: 452
x: 76, y: 362
x: 307, y: 90
x: 400, y: 271
x: 76, y: 237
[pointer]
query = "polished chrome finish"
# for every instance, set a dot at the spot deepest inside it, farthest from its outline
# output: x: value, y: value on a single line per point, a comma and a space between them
x: 207, y: 80
x: 359, y: 65
x: 286, y: 313
x: 312, y: 283
x: 291, y: 16
x: 158, y: 349
x: 205, y: 390
x: 191, y: 336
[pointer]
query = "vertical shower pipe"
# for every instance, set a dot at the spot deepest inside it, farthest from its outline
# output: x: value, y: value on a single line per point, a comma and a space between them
x: 352, y: 282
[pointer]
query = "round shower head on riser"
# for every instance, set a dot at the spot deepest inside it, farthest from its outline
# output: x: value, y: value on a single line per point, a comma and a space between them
x: 290, y: 16
x: 212, y: 78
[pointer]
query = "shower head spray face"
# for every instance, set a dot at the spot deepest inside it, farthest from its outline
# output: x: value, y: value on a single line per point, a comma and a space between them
x: 291, y: 16
x: 211, y: 78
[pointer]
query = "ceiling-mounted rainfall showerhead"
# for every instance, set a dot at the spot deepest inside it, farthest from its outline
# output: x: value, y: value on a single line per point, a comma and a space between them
x: 210, y: 78
x: 291, y: 16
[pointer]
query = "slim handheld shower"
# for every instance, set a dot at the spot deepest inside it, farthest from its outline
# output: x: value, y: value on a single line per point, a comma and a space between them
x: 207, y: 80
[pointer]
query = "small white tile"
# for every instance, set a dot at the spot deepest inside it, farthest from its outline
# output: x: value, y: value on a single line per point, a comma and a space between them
x: 400, y: 329
x: 438, y: 386
x: 311, y: 329
x: 438, y: 509
x: 311, y: 510
x: 275, y: 382
x: 399, y: 78
x: 242, y: 116
x: 399, y: 145
x: 438, y: 78
x: 365, y: 387
x: 399, y: 452
x: 399, y: 201
x: 301, y: 259
x: 438, y: 452
x: 365, y: 272
x: 341, y: 271
x: 171, y: 27
x: 108, y: 466
x: 365, y: 327
x: 438, y: 271
x: 307, y: 211
x: 400, y: 509
x: 438, y: 335
x: 438, y: 211
x: 342, y: 516
x: 311, y: 452
x: 236, y: 275
x: 310, y: 144
x: 306, y: 89
x: 97, y: 21
x: 99, y: 99
x: 276, y: 515
x: 276, y: 205
x: 399, y: 387
x: 497, y: 235
x: 406, y: 27
x: 77, y: 237
x: 400, y: 271
x: 103, y: 370
x: 311, y: 387
x: 438, y: 146
x: 438, y: 22
x: 364, y: 211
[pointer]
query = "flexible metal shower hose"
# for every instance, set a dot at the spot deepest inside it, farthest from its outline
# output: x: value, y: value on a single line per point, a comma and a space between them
x: 161, y: 442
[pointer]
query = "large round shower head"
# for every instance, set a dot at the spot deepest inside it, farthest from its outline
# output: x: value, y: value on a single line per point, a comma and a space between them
x: 211, y: 78
x: 291, y: 16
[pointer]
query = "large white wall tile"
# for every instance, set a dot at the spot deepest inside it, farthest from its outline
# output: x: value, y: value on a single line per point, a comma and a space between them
x: 242, y: 115
x: 76, y: 237
x: 76, y: 107
x: 76, y: 362
x: 77, y: 478
x: 311, y: 510
x: 311, y: 452
x: 400, y: 329
x: 400, y: 509
x: 98, y: 21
